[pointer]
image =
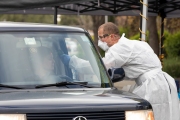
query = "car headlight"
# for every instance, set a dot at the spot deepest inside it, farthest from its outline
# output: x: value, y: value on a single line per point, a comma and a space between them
x: 140, y: 115
x: 13, y: 117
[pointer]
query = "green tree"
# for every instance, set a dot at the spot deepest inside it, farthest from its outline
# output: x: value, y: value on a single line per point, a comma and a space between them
x: 172, y: 24
x: 153, y: 34
x: 69, y: 20
x: 83, y: 21
x: 171, y: 45
x: 97, y: 21
x: 27, y: 18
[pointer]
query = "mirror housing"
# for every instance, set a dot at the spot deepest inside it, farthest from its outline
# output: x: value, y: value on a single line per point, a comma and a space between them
x: 116, y: 74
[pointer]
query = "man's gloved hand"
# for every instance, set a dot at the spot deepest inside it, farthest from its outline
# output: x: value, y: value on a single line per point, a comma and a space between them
x: 65, y: 59
x: 116, y: 74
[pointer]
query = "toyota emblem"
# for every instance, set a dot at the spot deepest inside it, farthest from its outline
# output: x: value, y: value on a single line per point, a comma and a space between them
x: 79, y: 118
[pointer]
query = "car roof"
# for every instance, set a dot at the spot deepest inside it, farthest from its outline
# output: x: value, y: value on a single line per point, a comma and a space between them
x: 23, y: 26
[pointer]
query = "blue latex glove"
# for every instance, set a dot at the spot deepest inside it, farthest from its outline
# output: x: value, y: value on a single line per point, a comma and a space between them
x: 65, y: 59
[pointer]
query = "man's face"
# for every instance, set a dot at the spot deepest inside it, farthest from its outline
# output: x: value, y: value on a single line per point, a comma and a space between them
x: 104, y: 37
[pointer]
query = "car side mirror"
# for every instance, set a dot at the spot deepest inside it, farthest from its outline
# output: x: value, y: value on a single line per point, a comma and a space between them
x: 116, y: 74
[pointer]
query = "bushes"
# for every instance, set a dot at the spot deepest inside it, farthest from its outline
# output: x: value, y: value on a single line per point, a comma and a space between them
x: 124, y: 30
x: 172, y: 45
x: 172, y: 66
x: 137, y: 37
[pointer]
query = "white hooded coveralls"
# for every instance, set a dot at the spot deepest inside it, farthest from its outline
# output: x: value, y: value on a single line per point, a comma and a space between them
x: 141, y: 64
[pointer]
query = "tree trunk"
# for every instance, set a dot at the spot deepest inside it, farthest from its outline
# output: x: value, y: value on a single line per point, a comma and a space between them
x: 97, y: 21
x: 153, y: 35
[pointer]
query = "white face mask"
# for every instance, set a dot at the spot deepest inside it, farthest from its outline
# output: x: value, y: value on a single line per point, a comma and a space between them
x: 103, y: 45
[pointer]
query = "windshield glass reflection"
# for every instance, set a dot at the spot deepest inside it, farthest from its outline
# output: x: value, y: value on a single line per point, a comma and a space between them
x: 29, y: 58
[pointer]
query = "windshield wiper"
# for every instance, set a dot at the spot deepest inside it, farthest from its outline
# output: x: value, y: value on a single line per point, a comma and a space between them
x: 8, y: 86
x: 64, y: 83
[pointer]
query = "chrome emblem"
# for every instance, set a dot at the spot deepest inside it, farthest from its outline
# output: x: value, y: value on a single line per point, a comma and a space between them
x: 79, y: 118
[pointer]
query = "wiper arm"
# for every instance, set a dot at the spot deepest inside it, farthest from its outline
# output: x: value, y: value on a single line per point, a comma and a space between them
x: 64, y: 83
x: 8, y: 86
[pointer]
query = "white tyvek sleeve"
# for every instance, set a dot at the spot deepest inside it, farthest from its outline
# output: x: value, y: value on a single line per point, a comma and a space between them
x: 80, y: 65
x: 117, y: 56
x: 109, y: 61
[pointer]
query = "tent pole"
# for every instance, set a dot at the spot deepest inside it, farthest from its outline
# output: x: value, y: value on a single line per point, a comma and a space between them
x: 144, y: 9
x: 55, y: 14
x: 106, y: 18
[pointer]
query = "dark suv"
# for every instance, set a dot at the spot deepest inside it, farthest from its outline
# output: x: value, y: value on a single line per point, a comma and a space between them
x: 38, y: 83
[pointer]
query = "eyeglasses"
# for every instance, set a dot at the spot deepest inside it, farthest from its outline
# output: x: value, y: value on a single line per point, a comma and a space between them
x: 103, y: 36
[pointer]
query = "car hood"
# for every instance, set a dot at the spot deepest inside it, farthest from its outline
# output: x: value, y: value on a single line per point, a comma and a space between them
x: 71, y: 99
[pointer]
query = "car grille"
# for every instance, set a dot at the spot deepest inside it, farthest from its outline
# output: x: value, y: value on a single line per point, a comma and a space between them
x: 104, y: 115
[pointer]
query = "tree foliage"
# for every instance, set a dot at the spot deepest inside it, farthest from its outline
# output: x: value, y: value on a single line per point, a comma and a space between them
x: 153, y: 39
x: 83, y: 21
x: 27, y: 18
x: 130, y: 24
x: 172, y: 24
x: 171, y: 62
x: 172, y: 66
x: 69, y: 20
x: 172, y: 43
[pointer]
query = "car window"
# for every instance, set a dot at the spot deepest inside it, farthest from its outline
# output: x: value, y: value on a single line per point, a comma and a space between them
x: 35, y: 58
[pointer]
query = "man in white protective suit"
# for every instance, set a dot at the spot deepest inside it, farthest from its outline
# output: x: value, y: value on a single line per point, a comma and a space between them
x: 141, y: 64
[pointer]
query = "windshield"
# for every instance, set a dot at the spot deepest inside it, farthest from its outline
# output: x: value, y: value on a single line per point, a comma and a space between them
x: 35, y: 58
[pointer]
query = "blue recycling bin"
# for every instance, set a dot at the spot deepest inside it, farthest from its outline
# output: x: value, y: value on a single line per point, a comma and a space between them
x: 178, y: 89
x: 177, y: 84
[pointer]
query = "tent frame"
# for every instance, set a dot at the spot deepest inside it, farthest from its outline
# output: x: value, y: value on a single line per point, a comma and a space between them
x: 162, y: 8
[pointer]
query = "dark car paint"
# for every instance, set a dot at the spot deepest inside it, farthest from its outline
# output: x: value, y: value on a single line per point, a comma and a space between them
x: 9, y: 26
x: 56, y: 100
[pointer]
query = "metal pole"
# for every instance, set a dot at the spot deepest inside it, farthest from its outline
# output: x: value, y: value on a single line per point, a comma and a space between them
x: 55, y: 14
x: 144, y: 19
x: 106, y: 18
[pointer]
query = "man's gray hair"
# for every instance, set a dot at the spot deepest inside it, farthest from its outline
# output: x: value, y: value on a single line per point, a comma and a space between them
x: 110, y: 28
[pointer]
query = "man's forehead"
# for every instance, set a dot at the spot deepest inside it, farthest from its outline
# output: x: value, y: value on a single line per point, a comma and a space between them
x: 100, y: 31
